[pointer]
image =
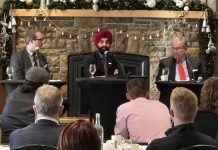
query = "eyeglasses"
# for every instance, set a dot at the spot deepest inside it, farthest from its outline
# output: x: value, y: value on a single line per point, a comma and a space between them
x: 177, y: 48
x: 43, y: 40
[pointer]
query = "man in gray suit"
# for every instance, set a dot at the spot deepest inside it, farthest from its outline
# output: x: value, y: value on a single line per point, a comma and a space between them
x: 192, y: 67
x: 30, y: 56
x: 46, y: 129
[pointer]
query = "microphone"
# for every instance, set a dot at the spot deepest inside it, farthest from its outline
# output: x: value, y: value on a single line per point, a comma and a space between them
x: 199, y: 79
x: 106, y: 53
x: 192, y: 73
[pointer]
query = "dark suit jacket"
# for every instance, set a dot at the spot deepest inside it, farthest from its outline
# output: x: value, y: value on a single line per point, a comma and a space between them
x: 17, y: 113
x: 180, y: 137
x: 96, y: 59
x: 206, y: 122
x: 43, y: 132
x: 170, y: 62
x: 21, y: 62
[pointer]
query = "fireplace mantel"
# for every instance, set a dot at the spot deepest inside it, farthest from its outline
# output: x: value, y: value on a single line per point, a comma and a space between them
x: 104, y: 13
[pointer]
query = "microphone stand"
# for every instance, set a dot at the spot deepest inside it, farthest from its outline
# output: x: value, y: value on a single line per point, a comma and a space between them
x: 190, y: 67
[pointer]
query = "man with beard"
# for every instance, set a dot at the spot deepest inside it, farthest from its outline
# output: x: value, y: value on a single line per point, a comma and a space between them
x: 106, y: 63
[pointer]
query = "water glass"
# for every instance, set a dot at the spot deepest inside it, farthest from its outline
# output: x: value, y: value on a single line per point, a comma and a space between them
x: 165, y: 74
x: 9, y: 71
x: 92, y: 69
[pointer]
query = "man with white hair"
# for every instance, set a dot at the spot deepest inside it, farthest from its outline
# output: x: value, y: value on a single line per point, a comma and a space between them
x: 46, y: 129
x: 181, y: 67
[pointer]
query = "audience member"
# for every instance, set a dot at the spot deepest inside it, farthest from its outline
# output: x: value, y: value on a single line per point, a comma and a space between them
x: 183, y: 109
x: 141, y: 119
x: 181, y: 67
x: 79, y: 135
x: 30, y: 56
x: 206, y: 120
x: 46, y: 129
x: 106, y: 63
x: 18, y: 111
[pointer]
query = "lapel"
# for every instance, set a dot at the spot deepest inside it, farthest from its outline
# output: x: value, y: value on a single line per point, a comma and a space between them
x: 99, y: 62
x: 189, y: 68
x: 172, y: 68
x: 27, y: 60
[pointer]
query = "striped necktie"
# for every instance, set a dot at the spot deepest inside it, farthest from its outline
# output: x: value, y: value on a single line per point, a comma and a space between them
x: 34, y: 59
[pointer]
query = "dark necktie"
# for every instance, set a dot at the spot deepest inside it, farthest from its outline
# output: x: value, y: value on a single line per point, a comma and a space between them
x: 104, y: 61
x: 34, y: 59
x: 181, y: 71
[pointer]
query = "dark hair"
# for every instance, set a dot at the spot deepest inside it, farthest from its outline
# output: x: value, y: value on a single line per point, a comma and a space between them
x: 79, y: 135
x: 29, y: 86
x: 209, y: 95
x: 136, y: 88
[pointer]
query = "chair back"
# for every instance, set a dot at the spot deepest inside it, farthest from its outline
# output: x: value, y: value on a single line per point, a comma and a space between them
x: 200, y: 147
x: 36, y: 147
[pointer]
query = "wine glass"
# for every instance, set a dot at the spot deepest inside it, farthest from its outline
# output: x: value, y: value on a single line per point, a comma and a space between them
x: 9, y: 71
x: 92, y: 69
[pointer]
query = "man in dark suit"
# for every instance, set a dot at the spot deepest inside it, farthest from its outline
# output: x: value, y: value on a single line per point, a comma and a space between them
x: 46, y: 129
x: 192, y: 67
x: 183, y: 109
x: 106, y: 63
x: 30, y: 56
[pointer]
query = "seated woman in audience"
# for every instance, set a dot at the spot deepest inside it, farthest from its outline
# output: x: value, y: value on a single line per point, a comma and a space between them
x: 79, y: 135
x: 206, y: 120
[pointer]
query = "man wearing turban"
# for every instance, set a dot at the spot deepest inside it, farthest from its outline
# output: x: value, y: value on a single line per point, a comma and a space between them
x: 106, y: 63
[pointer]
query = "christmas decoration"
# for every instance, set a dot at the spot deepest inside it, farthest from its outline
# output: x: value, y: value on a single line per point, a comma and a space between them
x: 95, y: 7
x: 186, y: 8
x: 88, y: 1
x: 151, y: 3
x: 29, y: 2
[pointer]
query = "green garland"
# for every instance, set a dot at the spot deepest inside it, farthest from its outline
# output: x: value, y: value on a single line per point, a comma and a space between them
x: 196, y: 5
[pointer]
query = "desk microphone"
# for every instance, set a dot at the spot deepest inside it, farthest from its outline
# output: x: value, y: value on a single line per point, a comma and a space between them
x: 192, y: 73
x: 106, y: 53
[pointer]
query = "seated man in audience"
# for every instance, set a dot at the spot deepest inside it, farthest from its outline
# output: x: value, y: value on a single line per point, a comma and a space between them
x: 141, y: 119
x: 18, y: 110
x: 183, y: 109
x: 181, y: 67
x: 46, y: 129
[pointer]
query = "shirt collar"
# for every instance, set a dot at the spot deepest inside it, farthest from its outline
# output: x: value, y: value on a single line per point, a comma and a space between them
x: 41, y: 117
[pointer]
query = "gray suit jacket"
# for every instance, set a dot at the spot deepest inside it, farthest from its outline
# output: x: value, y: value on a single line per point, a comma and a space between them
x: 44, y: 132
x: 170, y: 62
x: 21, y: 62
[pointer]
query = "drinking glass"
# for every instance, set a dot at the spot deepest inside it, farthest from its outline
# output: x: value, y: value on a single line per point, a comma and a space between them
x: 92, y: 69
x: 165, y: 74
x: 9, y: 71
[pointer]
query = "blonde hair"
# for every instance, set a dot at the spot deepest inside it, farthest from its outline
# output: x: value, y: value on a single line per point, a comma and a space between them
x: 184, y: 104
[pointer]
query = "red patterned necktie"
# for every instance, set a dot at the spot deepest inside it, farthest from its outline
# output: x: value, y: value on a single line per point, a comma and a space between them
x: 181, y: 71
